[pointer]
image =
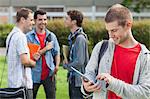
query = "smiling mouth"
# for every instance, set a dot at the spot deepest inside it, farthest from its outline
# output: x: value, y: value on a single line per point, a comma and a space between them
x: 42, y: 25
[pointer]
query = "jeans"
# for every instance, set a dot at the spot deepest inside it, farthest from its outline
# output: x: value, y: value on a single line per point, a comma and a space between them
x: 29, y: 94
x: 49, y: 85
x: 74, y: 92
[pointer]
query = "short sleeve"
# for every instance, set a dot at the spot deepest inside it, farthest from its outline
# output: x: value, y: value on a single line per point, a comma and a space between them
x: 22, y: 46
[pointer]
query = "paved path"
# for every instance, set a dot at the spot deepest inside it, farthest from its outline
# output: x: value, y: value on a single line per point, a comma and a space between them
x: 2, y: 51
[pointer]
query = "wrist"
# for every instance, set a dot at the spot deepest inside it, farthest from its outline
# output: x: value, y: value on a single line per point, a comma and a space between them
x: 32, y: 63
x: 46, y: 49
x: 88, y: 93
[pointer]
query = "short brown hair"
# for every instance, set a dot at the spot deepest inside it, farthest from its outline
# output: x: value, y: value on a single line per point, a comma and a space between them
x: 76, y: 15
x: 23, y: 12
x: 118, y: 13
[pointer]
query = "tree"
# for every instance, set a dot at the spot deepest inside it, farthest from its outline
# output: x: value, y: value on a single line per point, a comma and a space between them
x: 137, y: 5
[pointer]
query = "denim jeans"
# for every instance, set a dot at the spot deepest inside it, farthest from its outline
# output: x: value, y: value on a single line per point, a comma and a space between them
x: 74, y: 92
x: 49, y: 85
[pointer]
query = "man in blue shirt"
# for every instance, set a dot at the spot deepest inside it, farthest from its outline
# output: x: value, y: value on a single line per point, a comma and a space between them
x: 78, y: 55
x: 47, y: 58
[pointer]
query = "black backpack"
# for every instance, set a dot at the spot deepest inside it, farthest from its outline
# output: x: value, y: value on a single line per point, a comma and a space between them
x: 49, y: 39
x: 102, y: 50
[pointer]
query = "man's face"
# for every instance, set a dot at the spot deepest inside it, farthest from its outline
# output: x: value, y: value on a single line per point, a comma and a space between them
x: 117, y: 33
x: 29, y: 22
x: 68, y: 21
x: 41, y: 21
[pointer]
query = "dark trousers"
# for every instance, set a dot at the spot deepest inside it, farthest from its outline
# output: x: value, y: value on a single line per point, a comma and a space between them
x: 74, y: 92
x: 49, y: 85
x: 29, y: 94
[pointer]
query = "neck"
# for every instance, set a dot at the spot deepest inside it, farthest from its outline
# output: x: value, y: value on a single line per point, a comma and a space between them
x: 73, y: 29
x: 21, y: 27
x: 130, y: 42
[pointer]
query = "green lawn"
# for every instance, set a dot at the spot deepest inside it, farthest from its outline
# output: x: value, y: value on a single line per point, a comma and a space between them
x: 62, y: 86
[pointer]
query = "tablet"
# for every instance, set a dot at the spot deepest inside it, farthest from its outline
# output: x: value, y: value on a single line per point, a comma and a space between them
x: 97, y: 82
x: 82, y: 75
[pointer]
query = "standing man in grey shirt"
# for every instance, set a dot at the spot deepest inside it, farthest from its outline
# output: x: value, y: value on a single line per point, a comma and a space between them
x: 19, y: 62
x: 78, y: 56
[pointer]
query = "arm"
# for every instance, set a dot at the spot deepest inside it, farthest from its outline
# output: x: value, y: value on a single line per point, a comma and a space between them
x: 140, y: 89
x: 55, y: 51
x: 22, y: 50
x: 26, y: 61
x: 92, y: 65
x: 57, y: 60
x: 46, y: 48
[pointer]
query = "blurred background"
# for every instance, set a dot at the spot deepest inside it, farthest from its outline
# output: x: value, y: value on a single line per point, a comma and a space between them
x: 92, y: 9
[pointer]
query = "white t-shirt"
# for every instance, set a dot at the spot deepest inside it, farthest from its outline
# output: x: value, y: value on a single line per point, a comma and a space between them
x: 18, y: 75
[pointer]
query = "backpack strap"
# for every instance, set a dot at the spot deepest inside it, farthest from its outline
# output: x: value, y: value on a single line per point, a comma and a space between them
x: 74, y: 38
x: 9, y: 43
x: 48, y: 38
x: 103, y: 49
x: 5, y: 58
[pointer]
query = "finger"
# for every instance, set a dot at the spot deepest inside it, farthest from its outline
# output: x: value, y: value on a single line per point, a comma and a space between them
x: 98, y: 88
x: 93, y: 87
x: 90, y: 87
x: 87, y: 83
x: 98, y: 76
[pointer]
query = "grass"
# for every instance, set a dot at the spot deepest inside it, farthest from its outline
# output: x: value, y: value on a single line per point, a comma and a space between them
x: 61, y: 85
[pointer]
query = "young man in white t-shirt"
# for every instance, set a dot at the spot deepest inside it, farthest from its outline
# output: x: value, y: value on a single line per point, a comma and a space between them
x: 19, y: 62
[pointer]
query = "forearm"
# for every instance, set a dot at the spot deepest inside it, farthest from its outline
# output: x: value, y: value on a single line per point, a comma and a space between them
x: 42, y: 51
x: 129, y: 91
x: 30, y: 63
x: 57, y: 58
x: 26, y: 61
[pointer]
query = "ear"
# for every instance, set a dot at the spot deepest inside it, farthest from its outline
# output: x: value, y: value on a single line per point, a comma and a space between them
x: 22, y: 19
x: 129, y: 23
x: 74, y: 22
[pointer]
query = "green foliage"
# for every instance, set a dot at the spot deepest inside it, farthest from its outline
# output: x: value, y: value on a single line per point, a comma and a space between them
x: 141, y: 31
x: 4, y: 31
x: 94, y: 29
x: 4, y: 80
x: 127, y: 3
x: 59, y: 29
x: 138, y: 5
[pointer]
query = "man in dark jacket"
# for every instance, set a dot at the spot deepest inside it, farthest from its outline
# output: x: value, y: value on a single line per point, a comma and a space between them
x: 78, y: 52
